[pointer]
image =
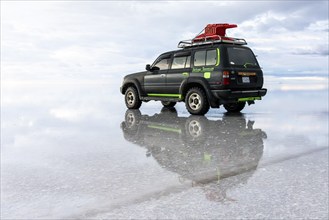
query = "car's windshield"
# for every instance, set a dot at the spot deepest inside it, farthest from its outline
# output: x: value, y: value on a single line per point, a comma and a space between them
x: 239, y: 56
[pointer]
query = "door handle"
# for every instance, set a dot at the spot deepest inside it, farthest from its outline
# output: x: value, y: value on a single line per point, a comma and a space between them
x: 162, y: 75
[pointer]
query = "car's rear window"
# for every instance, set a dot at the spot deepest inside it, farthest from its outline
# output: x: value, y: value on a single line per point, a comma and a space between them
x: 239, y: 56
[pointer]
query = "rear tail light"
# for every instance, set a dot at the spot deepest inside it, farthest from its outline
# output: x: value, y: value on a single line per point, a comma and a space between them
x: 226, y: 77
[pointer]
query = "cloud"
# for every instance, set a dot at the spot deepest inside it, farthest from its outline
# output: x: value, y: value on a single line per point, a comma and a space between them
x: 89, y: 39
x: 321, y: 50
x: 321, y: 25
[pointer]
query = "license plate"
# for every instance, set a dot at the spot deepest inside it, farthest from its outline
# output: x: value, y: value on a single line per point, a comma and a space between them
x: 245, y: 79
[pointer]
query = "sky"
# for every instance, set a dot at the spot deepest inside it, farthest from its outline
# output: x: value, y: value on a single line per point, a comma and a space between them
x: 109, y: 39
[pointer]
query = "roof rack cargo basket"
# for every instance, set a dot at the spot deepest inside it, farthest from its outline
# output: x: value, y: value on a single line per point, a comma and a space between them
x: 191, y: 43
x: 213, y: 33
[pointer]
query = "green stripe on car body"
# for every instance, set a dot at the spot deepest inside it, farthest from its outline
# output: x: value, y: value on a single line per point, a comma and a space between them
x: 165, y: 95
x: 218, y: 57
x: 249, y: 99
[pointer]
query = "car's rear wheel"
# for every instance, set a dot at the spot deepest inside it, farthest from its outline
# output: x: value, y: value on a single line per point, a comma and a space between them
x: 132, y: 99
x: 234, y: 107
x: 196, y: 101
x: 168, y: 104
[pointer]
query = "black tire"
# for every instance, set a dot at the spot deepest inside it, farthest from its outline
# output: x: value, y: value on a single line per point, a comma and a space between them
x: 168, y: 104
x: 234, y: 107
x: 196, y: 101
x: 169, y: 112
x: 132, y: 99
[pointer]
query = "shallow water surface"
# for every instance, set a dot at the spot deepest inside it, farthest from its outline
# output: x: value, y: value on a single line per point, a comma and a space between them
x: 73, y: 150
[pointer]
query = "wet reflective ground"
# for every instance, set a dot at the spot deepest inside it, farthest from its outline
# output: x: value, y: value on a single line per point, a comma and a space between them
x: 73, y: 150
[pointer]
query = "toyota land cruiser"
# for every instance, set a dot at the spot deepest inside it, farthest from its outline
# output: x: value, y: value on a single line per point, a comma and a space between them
x: 208, y: 71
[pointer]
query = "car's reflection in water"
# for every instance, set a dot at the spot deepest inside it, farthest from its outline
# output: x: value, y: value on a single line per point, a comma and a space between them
x: 198, y: 149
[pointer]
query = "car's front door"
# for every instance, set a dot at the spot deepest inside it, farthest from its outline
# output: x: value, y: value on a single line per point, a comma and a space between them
x: 155, y: 80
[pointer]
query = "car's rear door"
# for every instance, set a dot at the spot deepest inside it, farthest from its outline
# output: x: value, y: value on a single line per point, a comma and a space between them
x: 180, y: 70
x: 245, y: 71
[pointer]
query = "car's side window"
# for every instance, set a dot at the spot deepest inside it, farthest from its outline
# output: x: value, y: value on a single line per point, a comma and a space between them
x: 211, y: 58
x: 181, y: 62
x: 205, y: 58
x: 178, y: 63
x: 200, y: 58
x: 163, y: 64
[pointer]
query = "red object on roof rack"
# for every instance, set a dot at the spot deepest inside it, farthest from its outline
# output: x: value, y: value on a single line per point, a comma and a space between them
x: 214, y: 32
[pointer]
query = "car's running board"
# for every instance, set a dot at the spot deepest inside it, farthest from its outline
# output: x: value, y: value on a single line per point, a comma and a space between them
x: 166, y: 99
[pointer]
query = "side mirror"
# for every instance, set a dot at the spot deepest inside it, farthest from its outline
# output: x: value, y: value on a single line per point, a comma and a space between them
x: 155, y: 68
x: 148, y: 67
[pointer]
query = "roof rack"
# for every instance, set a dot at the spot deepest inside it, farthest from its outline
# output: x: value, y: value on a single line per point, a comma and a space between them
x: 214, y: 39
x: 213, y: 33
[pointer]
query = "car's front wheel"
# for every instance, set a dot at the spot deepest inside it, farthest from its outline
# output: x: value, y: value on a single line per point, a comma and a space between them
x: 234, y: 107
x: 196, y: 101
x: 132, y: 99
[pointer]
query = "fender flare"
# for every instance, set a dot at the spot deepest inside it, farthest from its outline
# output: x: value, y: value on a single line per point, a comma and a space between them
x: 214, y: 103
x: 136, y: 83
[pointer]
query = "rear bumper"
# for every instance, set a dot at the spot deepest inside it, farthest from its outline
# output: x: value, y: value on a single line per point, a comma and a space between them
x: 238, y: 95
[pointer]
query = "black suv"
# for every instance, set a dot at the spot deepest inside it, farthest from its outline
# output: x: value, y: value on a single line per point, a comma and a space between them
x: 204, y: 73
